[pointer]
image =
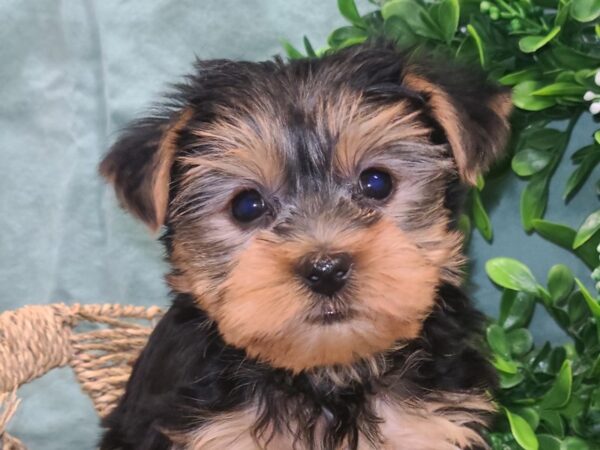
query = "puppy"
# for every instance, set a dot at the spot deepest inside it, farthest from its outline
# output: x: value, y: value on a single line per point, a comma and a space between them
x: 309, y: 212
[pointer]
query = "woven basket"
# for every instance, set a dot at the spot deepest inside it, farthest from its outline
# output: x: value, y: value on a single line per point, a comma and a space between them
x: 99, y: 342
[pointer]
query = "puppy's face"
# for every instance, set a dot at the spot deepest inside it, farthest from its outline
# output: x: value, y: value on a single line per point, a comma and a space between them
x: 308, y: 203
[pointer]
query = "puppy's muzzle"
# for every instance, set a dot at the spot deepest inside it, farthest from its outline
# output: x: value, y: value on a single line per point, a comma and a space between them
x: 325, y: 274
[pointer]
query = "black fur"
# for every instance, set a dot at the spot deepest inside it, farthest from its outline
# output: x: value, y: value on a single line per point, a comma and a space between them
x: 187, y: 370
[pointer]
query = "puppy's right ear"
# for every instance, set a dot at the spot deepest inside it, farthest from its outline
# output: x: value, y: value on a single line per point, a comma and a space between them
x: 139, y: 164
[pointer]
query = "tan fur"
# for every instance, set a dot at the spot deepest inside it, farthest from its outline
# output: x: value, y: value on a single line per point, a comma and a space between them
x: 418, y: 208
x: 502, y: 104
x: 454, y: 122
x: 264, y: 307
x: 364, y: 136
x: 433, y: 425
x: 192, y: 274
x: 449, y: 118
x: 228, y: 431
x: 371, y: 132
x: 188, y: 278
x: 243, y: 149
x: 164, y: 161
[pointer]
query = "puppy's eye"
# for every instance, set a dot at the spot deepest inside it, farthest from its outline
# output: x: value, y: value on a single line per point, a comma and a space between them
x: 375, y: 183
x: 248, y: 206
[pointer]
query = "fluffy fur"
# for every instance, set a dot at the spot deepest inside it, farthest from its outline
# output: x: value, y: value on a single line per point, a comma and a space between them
x: 245, y: 358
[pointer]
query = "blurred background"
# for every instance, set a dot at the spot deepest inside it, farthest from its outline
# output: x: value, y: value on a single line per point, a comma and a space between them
x: 71, y: 75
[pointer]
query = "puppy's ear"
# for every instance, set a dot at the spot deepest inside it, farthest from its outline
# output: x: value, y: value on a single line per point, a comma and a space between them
x: 139, y: 165
x: 472, y: 112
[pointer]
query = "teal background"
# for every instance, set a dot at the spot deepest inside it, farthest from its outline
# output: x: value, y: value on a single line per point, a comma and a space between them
x: 72, y: 73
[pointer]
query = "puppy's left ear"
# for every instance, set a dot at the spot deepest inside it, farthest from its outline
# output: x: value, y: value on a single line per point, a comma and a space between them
x: 472, y: 112
x: 139, y: 166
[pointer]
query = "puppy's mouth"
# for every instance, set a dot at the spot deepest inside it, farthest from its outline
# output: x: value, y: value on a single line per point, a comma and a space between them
x: 329, y: 311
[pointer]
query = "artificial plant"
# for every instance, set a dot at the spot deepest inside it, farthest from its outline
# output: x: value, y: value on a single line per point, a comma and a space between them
x: 548, y: 51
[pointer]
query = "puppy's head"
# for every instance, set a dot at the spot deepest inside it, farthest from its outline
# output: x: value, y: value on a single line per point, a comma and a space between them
x: 306, y: 204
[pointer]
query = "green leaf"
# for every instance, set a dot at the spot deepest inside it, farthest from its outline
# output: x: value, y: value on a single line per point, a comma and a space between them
x: 529, y: 414
x: 577, y: 308
x: 553, y: 422
x: 310, y: 51
x: 548, y: 442
x: 522, y: 431
x: 507, y: 302
x: 589, y: 161
x: 415, y: 16
x: 530, y: 161
x: 447, y: 15
x: 552, y: 364
x: 560, y: 282
x: 511, y: 274
x: 530, y: 44
x: 579, y: 155
x: 574, y: 59
x: 349, y: 11
x: 510, y: 380
x: 464, y: 225
x: 503, y: 365
x: 480, y: 182
x: 561, y: 317
x: 556, y: 233
x: 597, y: 137
x: 563, y: 13
x: 544, y: 139
x: 591, y: 302
x: 523, y: 98
x: 585, y: 10
x: 396, y: 28
x: 560, y: 392
x: 574, y: 408
x: 566, y: 76
x: 516, y: 309
x: 539, y: 361
x: 497, y: 341
x: 595, y: 369
x: 588, y: 252
x: 568, y: 100
x: 520, y: 341
x: 574, y: 443
x: 560, y: 88
x: 432, y: 25
x: 519, y: 76
x: 564, y: 236
x: 558, y: 356
x: 585, y: 77
x: 480, y: 217
x: 534, y: 199
x: 589, y: 333
x: 292, y: 52
x: 346, y: 36
x: 590, y: 226
x: 479, y: 44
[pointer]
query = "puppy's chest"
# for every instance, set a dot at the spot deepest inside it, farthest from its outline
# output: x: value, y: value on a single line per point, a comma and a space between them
x: 428, y: 426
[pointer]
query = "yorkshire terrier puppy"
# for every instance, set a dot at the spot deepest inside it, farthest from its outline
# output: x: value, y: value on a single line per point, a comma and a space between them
x: 309, y: 212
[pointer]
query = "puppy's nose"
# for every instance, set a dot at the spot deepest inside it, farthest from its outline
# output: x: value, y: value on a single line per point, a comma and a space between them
x: 326, y: 274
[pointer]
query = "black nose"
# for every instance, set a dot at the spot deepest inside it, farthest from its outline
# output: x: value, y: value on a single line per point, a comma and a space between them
x: 326, y: 274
